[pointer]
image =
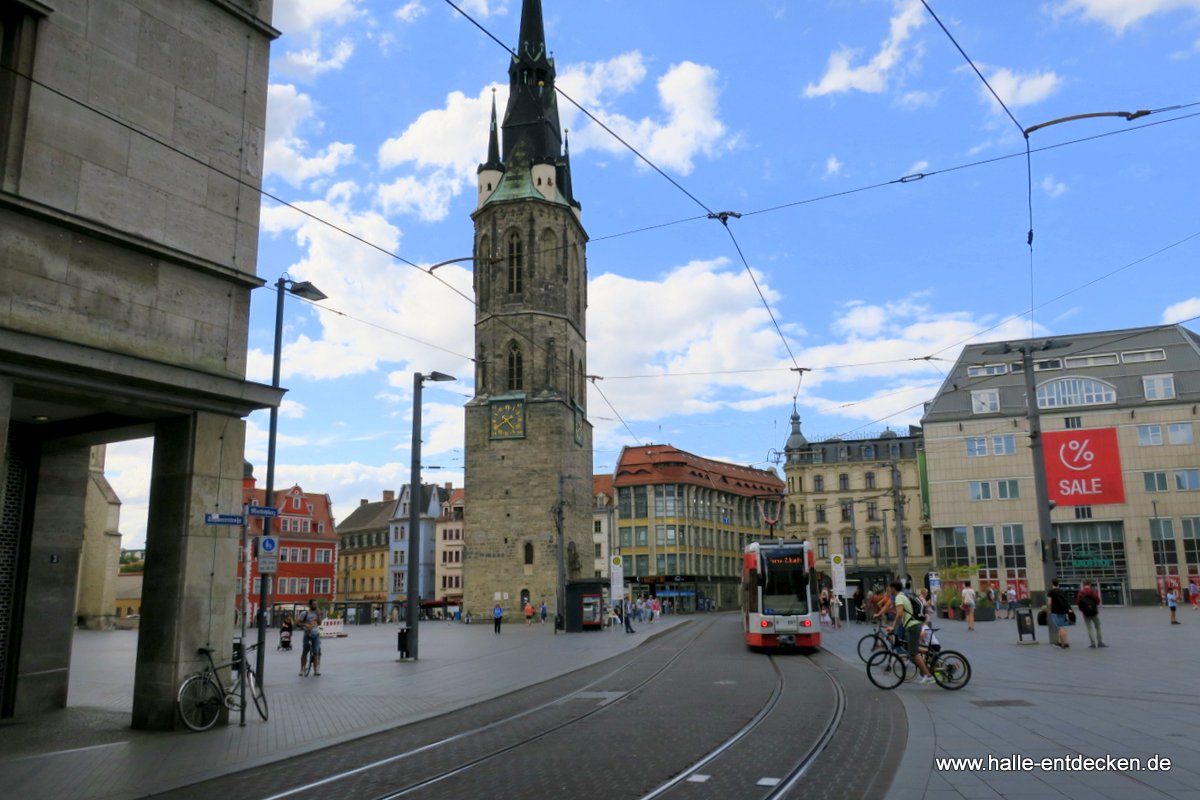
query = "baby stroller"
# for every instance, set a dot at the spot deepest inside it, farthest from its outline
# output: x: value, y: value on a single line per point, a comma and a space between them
x: 285, y: 637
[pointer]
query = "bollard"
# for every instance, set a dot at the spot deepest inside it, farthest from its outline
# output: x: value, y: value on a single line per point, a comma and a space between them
x: 402, y: 642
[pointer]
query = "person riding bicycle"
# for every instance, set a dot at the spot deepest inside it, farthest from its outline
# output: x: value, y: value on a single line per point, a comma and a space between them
x: 907, y: 628
x: 309, y: 621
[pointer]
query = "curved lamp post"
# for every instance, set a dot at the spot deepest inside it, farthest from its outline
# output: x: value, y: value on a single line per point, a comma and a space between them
x: 413, y: 588
x: 306, y: 291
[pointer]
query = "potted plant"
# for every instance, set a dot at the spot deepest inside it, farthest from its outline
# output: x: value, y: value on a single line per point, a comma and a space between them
x: 950, y: 603
x: 985, y: 610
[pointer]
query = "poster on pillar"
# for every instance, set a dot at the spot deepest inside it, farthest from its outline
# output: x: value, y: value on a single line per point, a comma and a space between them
x: 1083, y: 467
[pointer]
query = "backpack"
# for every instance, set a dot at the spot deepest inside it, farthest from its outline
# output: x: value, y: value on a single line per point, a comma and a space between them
x: 1087, y: 604
x: 918, y: 605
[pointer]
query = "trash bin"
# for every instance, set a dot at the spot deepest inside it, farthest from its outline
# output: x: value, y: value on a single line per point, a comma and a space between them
x: 402, y: 642
x: 1025, y: 626
x: 237, y: 655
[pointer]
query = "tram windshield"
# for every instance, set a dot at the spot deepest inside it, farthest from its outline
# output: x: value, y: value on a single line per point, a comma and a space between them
x: 785, y: 584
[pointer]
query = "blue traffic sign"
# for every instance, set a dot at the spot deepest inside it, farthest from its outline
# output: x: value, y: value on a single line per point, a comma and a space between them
x: 224, y: 519
x: 262, y: 511
x: 268, y: 544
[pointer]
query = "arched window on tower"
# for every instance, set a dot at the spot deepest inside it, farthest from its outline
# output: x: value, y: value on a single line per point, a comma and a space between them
x: 571, y: 376
x: 515, y: 263
x: 548, y: 254
x: 529, y: 552
x: 516, y: 368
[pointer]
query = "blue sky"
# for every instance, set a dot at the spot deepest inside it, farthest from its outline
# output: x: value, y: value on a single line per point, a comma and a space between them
x: 800, y: 116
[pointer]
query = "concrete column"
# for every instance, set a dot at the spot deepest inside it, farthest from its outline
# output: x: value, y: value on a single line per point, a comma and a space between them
x: 96, y: 601
x: 191, y: 568
x: 48, y: 618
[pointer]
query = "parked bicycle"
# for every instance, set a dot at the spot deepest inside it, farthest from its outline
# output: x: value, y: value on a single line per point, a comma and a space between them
x: 888, y: 668
x: 202, y: 694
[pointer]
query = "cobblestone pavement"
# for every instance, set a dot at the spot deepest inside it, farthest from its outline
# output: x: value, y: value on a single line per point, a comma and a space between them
x: 1135, y: 698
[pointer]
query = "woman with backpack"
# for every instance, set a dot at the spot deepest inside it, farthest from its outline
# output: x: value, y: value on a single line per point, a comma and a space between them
x: 1088, y: 601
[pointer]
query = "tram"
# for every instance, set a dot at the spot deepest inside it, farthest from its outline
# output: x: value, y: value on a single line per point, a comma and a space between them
x: 777, y: 595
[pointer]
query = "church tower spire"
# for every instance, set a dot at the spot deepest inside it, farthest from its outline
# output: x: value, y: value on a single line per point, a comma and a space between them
x: 528, y: 439
x: 531, y: 128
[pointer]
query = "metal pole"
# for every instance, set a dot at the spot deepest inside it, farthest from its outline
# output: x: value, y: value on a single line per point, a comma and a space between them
x: 898, y: 513
x: 245, y: 610
x: 561, y: 602
x: 272, y: 434
x: 413, y: 590
x: 1041, y: 493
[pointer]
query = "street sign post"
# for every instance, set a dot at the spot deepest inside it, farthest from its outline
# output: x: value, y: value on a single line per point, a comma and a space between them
x: 839, y: 574
x: 268, y: 555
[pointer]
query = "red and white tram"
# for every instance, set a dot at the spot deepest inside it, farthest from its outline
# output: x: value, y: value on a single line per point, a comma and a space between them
x: 777, y: 595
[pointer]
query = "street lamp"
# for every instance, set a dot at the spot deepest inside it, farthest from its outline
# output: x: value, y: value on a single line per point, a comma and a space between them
x: 1040, y: 490
x: 305, y: 291
x: 412, y: 591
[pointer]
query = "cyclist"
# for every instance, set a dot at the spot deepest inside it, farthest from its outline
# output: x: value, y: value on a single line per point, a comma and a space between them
x: 310, y: 622
x: 907, y: 628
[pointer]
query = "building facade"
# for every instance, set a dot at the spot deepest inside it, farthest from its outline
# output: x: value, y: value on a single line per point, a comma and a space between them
x: 1118, y: 415
x: 363, y: 556
x: 308, y: 549
x: 528, y: 440
x: 131, y: 147
x: 450, y: 535
x: 843, y: 496
x: 429, y: 510
x: 604, y: 523
x: 683, y: 523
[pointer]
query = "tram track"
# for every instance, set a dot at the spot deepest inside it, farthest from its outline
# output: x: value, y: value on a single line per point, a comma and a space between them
x: 647, y: 724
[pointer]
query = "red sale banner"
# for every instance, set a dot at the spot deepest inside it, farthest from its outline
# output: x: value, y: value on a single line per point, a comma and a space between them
x: 1083, y: 467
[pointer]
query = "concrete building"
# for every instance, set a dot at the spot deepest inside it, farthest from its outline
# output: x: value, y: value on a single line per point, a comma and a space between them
x: 842, y: 494
x: 101, y: 553
x: 683, y: 523
x: 363, y: 556
x: 450, y: 534
x: 131, y: 138
x: 1118, y: 412
x: 528, y: 440
x: 430, y: 509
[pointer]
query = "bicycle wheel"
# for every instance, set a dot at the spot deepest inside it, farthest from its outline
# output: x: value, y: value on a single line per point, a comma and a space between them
x: 260, y: 696
x: 885, y: 670
x: 951, y: 670
x: 869, y: 645
x: 199, y: 702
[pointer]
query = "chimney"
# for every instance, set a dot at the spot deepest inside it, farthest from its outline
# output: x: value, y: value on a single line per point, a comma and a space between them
x: 449, y: 486
x: 363, y: 501
x: 388, y: 495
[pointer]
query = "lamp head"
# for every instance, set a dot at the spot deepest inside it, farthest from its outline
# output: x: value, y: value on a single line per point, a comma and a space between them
x: 438, y: 376
x: 307, y: 291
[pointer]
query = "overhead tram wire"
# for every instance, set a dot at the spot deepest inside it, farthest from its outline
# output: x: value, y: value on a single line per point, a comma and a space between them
x: 594, y: 380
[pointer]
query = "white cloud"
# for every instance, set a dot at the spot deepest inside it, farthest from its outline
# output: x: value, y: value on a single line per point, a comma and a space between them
x: 1018, y: 90
x: 841, y: 76
x: 687, y: 92
x: 1052, y: 187
x: 411, y: 11
x: 917, y: 99
x: 429, y: 198
x: 309, y: 63
x: 296, y: 18
x: 917, y: 167
x: 485, y: 8
x: 287, y: 154
x: 832, y: 166
x: 1181, y: 55
x: 1183, y: 310
x: 1121, y: 14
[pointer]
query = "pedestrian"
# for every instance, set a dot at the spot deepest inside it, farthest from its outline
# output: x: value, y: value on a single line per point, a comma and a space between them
x: 968, y: 604
x: 628, y: 612
x: 1012, y: 602
x: 835, y: 606
x: 824, y: 606
x: 497, y: 618
x: 374, y: 616
x: 1193, y: 593
x: 1088, y: 601
x: 1060, y: 608
x: 657, y: 609
x: 528, y: 613
x: 543, y: 612
x: 1172, y: 602
x: 309, y: 620
x: 856, y: 604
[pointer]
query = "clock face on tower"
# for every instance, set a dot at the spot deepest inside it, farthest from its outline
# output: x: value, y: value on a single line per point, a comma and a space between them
x: 508, y: 419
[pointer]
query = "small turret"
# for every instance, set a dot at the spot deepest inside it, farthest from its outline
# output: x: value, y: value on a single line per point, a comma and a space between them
x: 492, y: 170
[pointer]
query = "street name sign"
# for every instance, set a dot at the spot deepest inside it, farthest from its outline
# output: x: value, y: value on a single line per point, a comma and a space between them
x: 224, y: 519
